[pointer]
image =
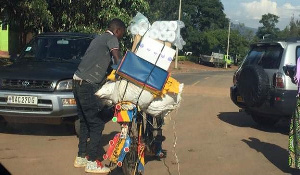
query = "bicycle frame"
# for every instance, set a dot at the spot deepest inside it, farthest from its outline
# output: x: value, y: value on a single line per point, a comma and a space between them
x: 138, y: 134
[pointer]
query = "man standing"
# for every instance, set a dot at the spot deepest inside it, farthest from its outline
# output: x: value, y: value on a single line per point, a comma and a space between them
x: 89, y: 77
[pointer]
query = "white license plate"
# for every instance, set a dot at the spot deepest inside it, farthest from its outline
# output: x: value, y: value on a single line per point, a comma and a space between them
x: 22, y: 100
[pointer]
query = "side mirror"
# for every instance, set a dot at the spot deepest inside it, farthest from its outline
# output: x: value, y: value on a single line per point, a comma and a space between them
x: 290, y: 70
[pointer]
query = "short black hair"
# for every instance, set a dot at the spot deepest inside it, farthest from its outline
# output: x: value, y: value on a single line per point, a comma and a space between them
x: 116, y: 23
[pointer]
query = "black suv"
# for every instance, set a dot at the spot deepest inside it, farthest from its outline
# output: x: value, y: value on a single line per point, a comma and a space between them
x: 38, y: 83
x: 260, y: 85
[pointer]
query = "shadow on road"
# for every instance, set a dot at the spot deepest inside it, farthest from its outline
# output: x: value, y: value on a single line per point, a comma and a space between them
x: 241, y: 119
x: 280, y: 159
x: 37, y: 129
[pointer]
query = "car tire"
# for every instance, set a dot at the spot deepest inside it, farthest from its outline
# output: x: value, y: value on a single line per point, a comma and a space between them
x: 3, y: 124
x: 264, y: 120
x: 253, y: 85
x: 77, y: 127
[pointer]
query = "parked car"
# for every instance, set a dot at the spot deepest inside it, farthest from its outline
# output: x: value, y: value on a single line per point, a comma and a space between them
x: 38, y: 83
x: 260, y: 85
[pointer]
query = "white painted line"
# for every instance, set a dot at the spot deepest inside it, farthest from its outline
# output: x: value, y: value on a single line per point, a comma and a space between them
x: 195, y: 83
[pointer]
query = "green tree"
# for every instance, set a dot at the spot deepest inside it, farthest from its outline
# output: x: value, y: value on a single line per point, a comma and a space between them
x: 89, y: 16
x: 269, y: 28
x: 26, y: 16
x: 292, y: 30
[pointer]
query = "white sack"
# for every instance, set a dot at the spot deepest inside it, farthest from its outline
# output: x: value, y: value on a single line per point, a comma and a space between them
x: 165, y: 104
x: 115, y: 92
x: 106, y: 92
x: 130, y: 92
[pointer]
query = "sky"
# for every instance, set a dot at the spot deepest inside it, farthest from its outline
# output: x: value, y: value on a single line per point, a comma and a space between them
x: 250, y: 12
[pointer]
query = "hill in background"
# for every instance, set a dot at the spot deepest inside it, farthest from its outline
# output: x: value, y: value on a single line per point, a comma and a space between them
x: 244, y: 30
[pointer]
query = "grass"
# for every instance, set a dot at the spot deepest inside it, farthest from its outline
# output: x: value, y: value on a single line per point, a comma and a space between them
x: 188, y: 58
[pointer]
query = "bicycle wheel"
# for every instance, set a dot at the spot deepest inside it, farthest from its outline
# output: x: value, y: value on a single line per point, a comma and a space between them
x: 131, y: 159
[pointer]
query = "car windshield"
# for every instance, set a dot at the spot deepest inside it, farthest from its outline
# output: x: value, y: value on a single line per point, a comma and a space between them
x: 267, y: 56
x: 64, y: 48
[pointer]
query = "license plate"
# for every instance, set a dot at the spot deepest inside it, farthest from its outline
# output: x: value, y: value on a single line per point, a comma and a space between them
x: 239, y: 99
x: 22, y: 100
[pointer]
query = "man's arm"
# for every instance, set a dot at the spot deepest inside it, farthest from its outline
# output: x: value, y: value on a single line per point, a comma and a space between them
x: 116, y: 55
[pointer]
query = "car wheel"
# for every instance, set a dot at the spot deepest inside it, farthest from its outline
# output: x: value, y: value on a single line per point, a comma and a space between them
x: 3, y: 123
x: 264, y: 120
x: 253, y: 85
x: 77, y: 127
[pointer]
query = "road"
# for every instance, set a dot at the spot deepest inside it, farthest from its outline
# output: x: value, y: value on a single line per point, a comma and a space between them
x: 206, y: 136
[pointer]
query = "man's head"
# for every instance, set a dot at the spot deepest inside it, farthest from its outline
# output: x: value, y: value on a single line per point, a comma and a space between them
x: 117, y: 26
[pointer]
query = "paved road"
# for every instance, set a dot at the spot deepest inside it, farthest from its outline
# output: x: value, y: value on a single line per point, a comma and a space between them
x: 210, y: 136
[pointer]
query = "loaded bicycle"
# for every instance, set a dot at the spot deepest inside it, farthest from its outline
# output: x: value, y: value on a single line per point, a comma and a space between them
x: 140, y: 134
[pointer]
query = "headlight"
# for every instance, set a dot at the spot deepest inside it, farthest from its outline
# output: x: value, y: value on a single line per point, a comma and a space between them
x: 64, y: 85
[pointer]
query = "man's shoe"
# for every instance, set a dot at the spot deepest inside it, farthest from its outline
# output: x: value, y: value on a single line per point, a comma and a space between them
x: 96, y: 167
x: 80, y: 162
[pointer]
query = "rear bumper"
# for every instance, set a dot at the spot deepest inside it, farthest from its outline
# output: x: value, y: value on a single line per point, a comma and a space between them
x: 279, y: 103
x: 49, y: 105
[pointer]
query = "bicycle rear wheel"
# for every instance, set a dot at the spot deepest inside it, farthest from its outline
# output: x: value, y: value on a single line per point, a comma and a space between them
x: 131, y: 160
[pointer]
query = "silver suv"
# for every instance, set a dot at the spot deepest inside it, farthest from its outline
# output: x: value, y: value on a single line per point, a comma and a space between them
x: 260, y: 85
x: 38, y: 83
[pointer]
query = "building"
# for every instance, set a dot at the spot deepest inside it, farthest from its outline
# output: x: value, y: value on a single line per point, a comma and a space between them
x: 4, y: 38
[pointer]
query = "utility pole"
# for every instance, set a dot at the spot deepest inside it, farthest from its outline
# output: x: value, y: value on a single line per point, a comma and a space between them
x: 179, y: 15
x: 227, y: 45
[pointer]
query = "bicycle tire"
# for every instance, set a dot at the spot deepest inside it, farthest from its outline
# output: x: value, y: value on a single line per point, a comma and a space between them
x: 131, y: 159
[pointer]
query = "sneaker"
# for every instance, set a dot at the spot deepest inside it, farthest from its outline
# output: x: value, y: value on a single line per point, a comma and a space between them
x: 96, y: 167
x: 80, y: 162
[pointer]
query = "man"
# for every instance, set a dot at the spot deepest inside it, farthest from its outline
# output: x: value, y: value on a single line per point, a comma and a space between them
x: 88, y: 78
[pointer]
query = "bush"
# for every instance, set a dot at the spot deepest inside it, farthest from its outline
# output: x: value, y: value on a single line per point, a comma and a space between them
x: 188, y: 58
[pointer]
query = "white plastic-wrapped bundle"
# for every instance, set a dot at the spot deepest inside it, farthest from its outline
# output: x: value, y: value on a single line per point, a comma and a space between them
x: 154, y: 33
x: 134, y: 30
x: 164, y: 105
x: 163, y: 36
x: 167, y: 31
x: 171, y: 36
x: 163, y: 25
x: 139, y: 24
x: 155, y: 25
x: 172, y: 25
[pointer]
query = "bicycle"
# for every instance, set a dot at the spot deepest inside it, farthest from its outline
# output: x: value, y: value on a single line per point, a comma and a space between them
x: 140, y: 134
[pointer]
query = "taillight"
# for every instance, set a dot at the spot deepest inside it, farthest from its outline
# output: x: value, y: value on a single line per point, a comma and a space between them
x: 234, y: 79
x: 279, y: 80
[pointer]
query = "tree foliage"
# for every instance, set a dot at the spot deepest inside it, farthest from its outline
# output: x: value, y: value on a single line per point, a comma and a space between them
x: 88, y: 16
x: 26, y: 15
x: 292, y: 30
x: 206, y: 25
x: 269, y: 28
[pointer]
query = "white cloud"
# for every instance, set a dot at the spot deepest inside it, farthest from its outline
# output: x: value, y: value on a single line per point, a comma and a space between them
x: 288, y: 10
x: 255, y: 9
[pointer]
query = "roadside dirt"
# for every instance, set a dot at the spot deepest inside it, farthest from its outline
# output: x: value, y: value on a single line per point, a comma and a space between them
x: 188, y: 66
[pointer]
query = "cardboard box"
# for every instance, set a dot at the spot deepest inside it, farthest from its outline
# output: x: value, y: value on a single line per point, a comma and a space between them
x: 137, y: 39
x: 155, y: 52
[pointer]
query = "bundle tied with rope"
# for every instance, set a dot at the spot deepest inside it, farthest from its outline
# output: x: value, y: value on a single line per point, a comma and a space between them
x: 142, y: 77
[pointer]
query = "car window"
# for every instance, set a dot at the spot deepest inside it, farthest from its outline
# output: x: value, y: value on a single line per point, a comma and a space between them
x: 56, y: 48
x: 269, y: 57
